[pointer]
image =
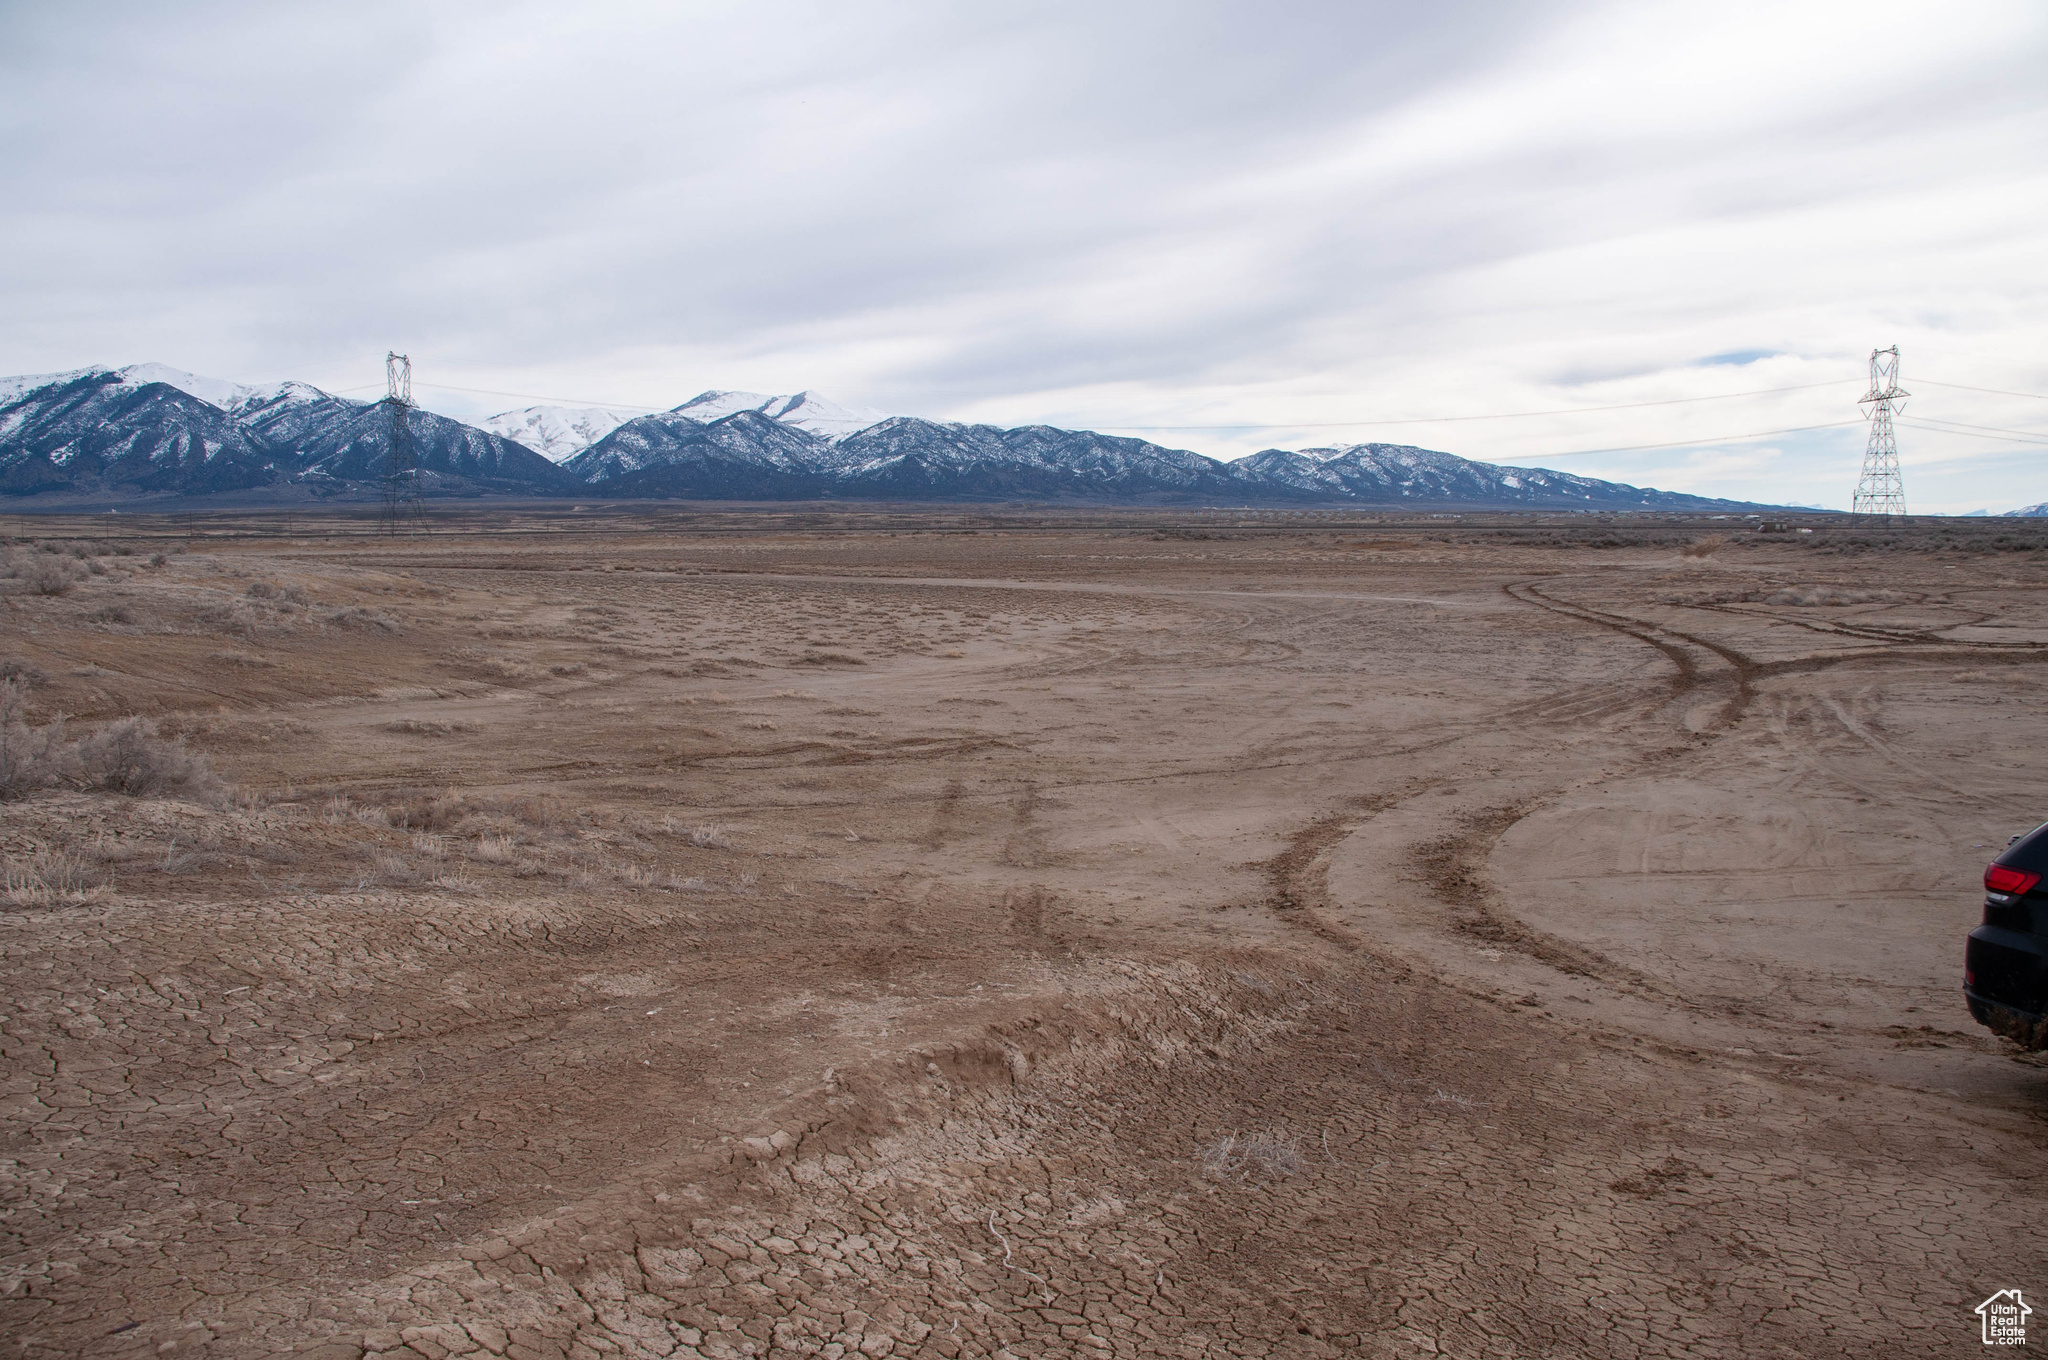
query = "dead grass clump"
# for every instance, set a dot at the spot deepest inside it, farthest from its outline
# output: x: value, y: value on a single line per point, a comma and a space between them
x: 49, y: 877
x: 1828, y: 596
x: 450, y: 811
x: 1260, y: 1156
x: 390, y: 870
x: 495, y: 850
x: 815, y: 657
x: 432, y: 812
x: 1704, y: 547
x: 22, y: 673
x: 112, y: 613
x: 233, y: 617
x: 492, y: 667
x: 710, y: 838
x: 367, y: 620
x: 425, y: 727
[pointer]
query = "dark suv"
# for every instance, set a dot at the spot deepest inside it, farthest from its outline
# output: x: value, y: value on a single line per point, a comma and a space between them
x: 2005, y: 969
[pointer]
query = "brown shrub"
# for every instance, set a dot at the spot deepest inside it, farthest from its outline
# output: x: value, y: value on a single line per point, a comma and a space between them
x: 129, y: 757
x: 47, y: 575
x: 31, y: 757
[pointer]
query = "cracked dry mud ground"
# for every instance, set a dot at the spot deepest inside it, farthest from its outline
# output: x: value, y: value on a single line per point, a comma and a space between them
x: 717, y: 935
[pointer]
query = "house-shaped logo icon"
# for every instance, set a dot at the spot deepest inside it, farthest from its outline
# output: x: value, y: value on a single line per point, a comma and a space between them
x: 2005, y: 1318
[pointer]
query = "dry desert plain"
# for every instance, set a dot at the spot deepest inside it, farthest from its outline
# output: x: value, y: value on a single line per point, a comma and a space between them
x: 672, y: 932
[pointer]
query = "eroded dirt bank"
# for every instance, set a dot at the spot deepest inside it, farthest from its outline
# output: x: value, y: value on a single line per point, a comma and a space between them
x: 708, y: 935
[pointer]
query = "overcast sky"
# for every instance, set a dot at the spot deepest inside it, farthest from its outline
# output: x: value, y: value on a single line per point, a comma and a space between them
x: 1306, y: 221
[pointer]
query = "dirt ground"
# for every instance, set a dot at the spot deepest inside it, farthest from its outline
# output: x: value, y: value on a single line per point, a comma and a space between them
x: 711, y: 934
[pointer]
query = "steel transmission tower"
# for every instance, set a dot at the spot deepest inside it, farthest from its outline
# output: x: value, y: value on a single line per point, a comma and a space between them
x: 1879, y: 492
x: 402, y: 464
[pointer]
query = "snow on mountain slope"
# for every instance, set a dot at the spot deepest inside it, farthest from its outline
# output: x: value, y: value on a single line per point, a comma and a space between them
x: 715, y: 405
x: 806, y: 411
x: 559, y: 433
x: 219, y: 392
x: 825, y: 419
x: 15, y: 388
x: 213, y: 391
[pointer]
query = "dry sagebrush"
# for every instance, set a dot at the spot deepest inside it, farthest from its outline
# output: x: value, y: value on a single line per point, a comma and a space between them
x: 126, y: 756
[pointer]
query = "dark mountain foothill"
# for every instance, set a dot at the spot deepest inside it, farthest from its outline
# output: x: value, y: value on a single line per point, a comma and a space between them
x: 744, y: 456
x: 96, y: 432
x: 910, y: 459
x: 334, y: 441
x: 1402, y: 473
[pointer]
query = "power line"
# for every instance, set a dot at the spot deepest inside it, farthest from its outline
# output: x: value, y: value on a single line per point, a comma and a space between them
x: 528, y: 396
x: 1998, y: 431
x: 1995, y: 429
x: 1967, y: 434
x: 1690, y: 443
x: 1995, y: 391
x: 1248, y: 425
x: 1504, y: 415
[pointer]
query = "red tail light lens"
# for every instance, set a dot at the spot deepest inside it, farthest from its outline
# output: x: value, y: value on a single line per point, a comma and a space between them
x: 2000, y: 879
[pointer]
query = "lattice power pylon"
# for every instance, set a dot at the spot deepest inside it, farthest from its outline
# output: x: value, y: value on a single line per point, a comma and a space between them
x: 402, y: 464
x: 1880, y: 494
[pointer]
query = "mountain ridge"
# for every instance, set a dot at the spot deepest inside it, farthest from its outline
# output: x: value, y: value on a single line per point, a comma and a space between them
x: 161, y: 431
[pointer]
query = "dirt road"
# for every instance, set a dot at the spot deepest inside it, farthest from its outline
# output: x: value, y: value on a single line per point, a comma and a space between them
x: 702, y: 936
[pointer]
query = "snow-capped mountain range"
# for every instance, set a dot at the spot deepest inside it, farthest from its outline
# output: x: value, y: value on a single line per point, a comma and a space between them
x: 562, y: 432
x: 558, y: 433
x: 149, y: 429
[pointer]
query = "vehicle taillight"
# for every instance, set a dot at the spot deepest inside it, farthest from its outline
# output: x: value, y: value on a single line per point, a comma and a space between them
x: 2000, y: 879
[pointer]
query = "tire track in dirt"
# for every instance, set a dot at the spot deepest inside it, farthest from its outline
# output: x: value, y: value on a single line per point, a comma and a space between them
x: 1690, y: 675
x: 1452, y: 865
x: 1297, y: 879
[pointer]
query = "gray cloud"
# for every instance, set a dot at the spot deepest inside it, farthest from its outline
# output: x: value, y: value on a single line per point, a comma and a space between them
x: 1140, y: 214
